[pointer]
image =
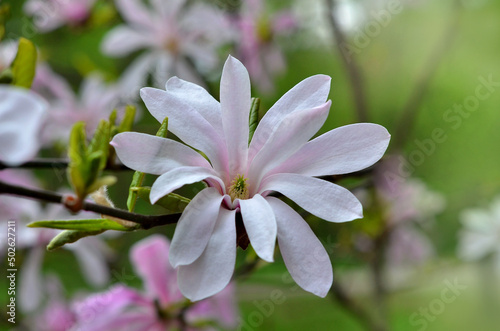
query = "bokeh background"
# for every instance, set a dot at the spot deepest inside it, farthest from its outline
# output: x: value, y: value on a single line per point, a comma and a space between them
x: 412, y: 69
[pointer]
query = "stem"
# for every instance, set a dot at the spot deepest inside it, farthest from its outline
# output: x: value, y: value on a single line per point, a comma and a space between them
x: 145, y: 221
x: 353, y: 71
x: 53, y: 163
x: 410, y: 110
x: 354, y: 308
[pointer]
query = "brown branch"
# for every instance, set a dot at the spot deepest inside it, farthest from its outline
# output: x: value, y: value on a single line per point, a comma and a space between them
x: 350, y: 64
x: 410, y: 110
x: 145, y: 221
x: 52, y: 163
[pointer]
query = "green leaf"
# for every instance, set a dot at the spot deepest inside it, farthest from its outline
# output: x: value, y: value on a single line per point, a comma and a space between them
x: 100, y: 142
x: 132, y: 194
x: 163, y: 130
x: 69, y: 236
x: 254, y: 118
x: 24, y: 65
x: 172, y: 202
x: 106, y: 180
x: 88, y: 225
x: 128, y: 119
x: 77, y: 153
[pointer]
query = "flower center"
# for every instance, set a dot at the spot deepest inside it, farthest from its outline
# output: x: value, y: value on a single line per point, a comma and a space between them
x: 238, y: 188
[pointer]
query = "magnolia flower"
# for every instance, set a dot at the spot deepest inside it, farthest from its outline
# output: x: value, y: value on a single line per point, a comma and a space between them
x: 95, y: 101
x: 170, y: 33
x: 240, y: 175
x: 21, y: 116
x: 257, y: 47
x: 49, y: 15
x: 480, y: 236
x: 162, y: 307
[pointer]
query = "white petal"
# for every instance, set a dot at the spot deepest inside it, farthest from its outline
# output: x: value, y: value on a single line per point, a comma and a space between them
x: 21, y: 116
x: 31, y: 280
x: 201, y: 100
x: 212, y: 271
x: 179, y: 177
x: 235, y: 103
x: 340, y: 151
x: 260, y: 224
x: 321, y: 198
x: 195, y: 227
x: 154, y: 155
x: 294, y: 131
x: 309, y: 93
x: 123, y: 40
x: 185, y: 121
x: 134, y: 12
x: 305, y: 257
x: 134, y: 77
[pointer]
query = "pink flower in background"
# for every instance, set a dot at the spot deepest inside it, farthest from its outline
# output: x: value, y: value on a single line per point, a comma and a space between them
x: 171, y: 33
x: 257, y: 45
x: 95, y: 101
x: 16, y: 208
x: 22, y: 113
x: 8, y: 50
x: 240, y: 175
x: 49, y: 15
x: 480, y: 235
x: 124, y: 308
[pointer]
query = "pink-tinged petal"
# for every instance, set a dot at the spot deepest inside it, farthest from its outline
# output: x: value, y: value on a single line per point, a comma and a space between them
x: 309, y: 93
x: 294, y: 131
x: 155, y: 155
x: 150, y: 259
x: 340, y: 151
x: 135, y: 12
x: 326, y: 200
x: 284, y: 22
x: 178, y: 177
x: 185, y: 121
x: 167, y: 9
x: 260, y: 224
x: 31, y: 280
x: 123, y: 40
x: 195, y: 227
x: 213, y: 270
x: 235, y: 103
x: 21, y: 116
x: 201, y: 100
x: 305, y: 257
x: 92, y: 261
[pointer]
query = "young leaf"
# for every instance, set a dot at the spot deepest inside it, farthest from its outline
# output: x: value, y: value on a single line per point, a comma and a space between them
x: 172, y: 202
x: 88, y: 225
x: 254, y: 117
x: 69, y: 236
x: 24, y: 65
x: 128, y: 119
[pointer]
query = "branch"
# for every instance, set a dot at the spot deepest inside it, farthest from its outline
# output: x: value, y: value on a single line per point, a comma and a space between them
x: 354, y: 308
x: 145, y: 221
x: 52, y: 163
x: 353, y: 71
x: 410, y: 110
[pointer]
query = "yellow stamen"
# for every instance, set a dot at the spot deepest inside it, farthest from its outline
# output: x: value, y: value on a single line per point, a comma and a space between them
x: 238, y: 188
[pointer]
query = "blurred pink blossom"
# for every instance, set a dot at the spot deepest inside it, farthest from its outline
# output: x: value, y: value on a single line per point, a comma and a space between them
x: 49, y: 15
x: 95, y: 101
x: 171, y: 33
x: 257, y: 46
x: 159, y: 306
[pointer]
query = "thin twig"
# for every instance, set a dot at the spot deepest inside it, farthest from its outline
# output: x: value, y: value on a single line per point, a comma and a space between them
x: 354, y: 308
x: 410, y: 110
x: 350, y: 64
x: 145, y: 221
x: 53, y: 163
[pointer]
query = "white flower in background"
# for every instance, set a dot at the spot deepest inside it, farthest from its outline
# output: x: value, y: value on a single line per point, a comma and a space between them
x: 480, y: 235
x: 52, y: 14
x: 171, y: 33
x: 8, y: 50
x: 94, y: 101
x: 240, y: 176
x: 22, y: 113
